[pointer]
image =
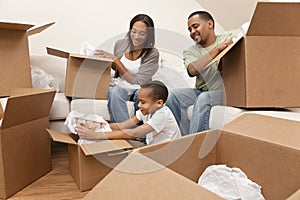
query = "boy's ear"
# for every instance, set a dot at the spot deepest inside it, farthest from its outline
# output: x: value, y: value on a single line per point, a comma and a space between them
x: 160, y: 102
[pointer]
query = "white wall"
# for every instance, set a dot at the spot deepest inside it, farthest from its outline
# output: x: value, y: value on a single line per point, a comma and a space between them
x: 97, y: 21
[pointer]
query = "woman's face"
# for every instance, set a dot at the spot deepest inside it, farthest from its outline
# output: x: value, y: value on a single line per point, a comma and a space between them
x: 138, y: 34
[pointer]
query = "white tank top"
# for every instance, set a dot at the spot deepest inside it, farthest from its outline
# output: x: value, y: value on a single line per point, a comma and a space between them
x: 133, y: 67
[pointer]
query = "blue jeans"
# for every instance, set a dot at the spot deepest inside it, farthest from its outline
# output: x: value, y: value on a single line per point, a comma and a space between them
x: 117, y: 107
x: 181, y: 98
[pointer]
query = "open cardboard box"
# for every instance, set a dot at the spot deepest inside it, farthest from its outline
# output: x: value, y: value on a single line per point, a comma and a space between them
x: 267, y: 149
x: 89, y: 163
x: 86, y: 76
x: 14, y: 50
x: 262, y: 69
x: 25, y: 153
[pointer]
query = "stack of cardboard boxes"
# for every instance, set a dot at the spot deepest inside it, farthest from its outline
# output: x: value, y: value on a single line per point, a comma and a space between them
x: 25, y: 151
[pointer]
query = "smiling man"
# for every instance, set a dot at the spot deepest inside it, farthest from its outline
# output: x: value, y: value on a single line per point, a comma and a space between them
x: 208, y: 90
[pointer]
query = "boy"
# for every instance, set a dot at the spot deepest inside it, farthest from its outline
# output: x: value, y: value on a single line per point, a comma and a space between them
x: 159, y: 124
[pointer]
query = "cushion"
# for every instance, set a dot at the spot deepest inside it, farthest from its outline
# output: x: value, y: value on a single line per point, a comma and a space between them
x: 60, y: 107
x: 98, y: 107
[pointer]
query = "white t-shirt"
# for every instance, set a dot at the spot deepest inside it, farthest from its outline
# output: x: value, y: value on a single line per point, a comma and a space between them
x: 133, y: 67
x: 164, y: 124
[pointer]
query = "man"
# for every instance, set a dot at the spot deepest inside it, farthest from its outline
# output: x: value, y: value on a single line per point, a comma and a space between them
x: 209, y: 85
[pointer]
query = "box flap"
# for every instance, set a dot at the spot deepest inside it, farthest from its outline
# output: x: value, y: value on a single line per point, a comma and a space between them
x: 61, y: 137
x: 15, y: 26
x: 56, y: 52
x: 275, y: 19
x: 137, y: 172
x: 242, y: 10
x: 91, y: 57
x: 105, y: 146
x: 295, y: 196
x: 1, y: 112
x: 27, y: 107
x: 28, y: 91
x: 279, y: 131
x: 222, y: 53
x: 39, y: 29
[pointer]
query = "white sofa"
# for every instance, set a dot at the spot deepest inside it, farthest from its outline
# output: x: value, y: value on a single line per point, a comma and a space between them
x: 171, y: 72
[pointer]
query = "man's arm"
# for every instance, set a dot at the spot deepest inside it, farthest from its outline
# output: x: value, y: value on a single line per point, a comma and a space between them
x: 196, y: 67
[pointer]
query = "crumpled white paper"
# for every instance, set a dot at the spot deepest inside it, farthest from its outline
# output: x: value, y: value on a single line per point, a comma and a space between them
x: 87, y: 49
x: 230, y: 183
x: 92, y: 121
x: 41, y: 79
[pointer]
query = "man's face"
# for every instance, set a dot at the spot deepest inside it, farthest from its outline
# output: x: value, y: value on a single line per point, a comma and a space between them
x: 199, y: 29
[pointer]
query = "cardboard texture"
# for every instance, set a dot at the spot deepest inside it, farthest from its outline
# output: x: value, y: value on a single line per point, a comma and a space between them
x: 89, y: 163
x: 267, y: 149
x: 1, y: 112
x: 86, y: 76
x: 14, y: 50
x: 262, y: 68
x: 25, y: 153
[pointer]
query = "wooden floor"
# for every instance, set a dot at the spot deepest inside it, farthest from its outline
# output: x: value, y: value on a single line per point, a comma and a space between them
x: 57, y: 184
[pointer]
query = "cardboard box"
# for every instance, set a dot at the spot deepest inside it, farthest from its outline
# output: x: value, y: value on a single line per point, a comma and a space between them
x: 263, y: 68
x: 25, y: 153
x: 89, y: 163
x: 15, y: 61
x: 267, y: 149
x: 86, y: 76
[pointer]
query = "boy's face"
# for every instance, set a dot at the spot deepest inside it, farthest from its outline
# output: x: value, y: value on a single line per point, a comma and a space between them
x: 146, y: 104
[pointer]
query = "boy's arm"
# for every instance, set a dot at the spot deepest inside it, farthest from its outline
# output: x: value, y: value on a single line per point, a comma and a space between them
x: 85, y: 133
x: 125, y: 124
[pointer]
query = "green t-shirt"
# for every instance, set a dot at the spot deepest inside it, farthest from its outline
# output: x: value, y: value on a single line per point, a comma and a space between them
x: 210, y: 78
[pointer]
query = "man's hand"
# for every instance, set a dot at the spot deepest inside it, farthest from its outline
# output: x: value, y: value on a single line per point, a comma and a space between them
x: 223, y: 46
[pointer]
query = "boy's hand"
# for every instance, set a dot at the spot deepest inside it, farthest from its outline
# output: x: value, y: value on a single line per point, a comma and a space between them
x: 86, y: 133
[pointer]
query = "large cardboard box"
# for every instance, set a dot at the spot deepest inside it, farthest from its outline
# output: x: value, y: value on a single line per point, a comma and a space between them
x: 25, y: 153
x: 86, y: 76
x: 263, y: 68
x: 89, y: 163
x: 14, y: 51
x: 267, y: 149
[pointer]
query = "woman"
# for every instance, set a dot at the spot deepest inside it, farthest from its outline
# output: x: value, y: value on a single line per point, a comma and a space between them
x: 135, y: 62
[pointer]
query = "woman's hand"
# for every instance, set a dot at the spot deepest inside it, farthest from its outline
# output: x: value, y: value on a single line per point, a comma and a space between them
x: 86, y: 133
x: 104, y: 54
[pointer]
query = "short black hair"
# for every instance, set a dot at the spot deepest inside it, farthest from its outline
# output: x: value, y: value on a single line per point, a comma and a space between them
x: 158, y: 90
x: 204, y: 15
